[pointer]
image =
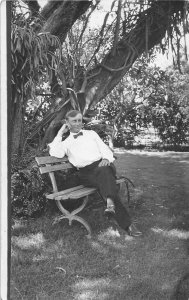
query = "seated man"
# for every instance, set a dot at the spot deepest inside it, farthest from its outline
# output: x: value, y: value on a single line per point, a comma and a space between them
x: 94, y: 160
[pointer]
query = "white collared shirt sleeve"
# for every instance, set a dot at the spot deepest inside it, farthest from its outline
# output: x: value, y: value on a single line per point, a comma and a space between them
x: 103, y: 148
x: 57, y: 147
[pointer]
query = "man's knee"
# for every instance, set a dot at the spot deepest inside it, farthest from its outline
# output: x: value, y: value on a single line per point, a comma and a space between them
x: 107, y: 170
x: 113, y: 168
x: 104, y: 169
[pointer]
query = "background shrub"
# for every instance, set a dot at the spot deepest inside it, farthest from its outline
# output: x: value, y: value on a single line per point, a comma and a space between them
x: 28, y: 191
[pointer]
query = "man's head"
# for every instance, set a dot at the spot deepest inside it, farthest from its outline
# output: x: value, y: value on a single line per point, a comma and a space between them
x: 74, y: 120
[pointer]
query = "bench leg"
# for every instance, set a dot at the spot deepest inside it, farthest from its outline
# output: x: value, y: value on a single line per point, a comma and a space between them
x: 71, y: 216
x: 85, y: 224
x: 126, y: 181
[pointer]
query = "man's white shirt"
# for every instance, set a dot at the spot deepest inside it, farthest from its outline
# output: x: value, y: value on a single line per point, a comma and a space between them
x: 81, y: 151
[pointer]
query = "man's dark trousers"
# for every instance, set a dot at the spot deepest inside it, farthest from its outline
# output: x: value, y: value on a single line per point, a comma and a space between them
x: 104, y: 179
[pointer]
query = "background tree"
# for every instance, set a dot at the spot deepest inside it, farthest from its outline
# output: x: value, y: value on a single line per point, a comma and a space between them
x: 133, y: 29
x: 149, y: 98
x: 170, y: 112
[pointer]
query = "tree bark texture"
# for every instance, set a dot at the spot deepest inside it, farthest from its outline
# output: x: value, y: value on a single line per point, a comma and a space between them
x: 17, y: 129
x: 61, y: 15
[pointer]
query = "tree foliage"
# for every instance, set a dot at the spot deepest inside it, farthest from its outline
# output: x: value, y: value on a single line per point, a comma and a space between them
x: 28, y: 193
x: 93, y: 61
x: 170, y: 112
x: 149, y: 97
x: 32, y: 60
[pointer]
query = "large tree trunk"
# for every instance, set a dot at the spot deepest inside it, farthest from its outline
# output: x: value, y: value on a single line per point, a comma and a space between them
x: 61, y: 15
x: 129, y: 48
x: 17, y: 130
x: 148, y: 32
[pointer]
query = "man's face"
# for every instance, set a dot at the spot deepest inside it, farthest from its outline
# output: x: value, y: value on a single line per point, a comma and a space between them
x: 75, y: 123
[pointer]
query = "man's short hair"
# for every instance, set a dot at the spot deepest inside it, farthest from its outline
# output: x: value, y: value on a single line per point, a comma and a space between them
x: 72, y: 113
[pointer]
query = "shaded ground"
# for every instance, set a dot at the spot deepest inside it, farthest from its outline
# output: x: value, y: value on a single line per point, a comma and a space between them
x: 58, y: 262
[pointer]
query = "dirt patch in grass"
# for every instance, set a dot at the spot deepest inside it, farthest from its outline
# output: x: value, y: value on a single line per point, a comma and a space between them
x: 59, y: 262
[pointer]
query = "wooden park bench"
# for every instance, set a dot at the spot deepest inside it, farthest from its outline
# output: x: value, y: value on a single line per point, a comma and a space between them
x: 50, y: 164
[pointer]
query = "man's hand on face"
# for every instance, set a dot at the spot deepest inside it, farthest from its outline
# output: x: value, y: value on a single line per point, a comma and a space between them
x: 104, y: 162
x: 63, y: 129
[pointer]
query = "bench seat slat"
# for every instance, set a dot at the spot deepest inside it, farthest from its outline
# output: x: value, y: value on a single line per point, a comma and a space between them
x: 79, y: 192
x: 76, y: 192
x: 52, y: 196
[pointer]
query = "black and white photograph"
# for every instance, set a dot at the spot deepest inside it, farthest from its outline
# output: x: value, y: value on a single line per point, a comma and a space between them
x: 95, y: 150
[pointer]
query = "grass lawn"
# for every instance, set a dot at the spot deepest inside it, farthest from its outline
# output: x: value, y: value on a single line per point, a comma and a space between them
x: 59, y: 262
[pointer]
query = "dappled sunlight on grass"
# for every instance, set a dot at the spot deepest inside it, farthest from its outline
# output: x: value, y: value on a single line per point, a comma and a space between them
x: 40, y: 258
x: 98, y: 247
x: 174, y: 233
x: 167, y: 286
x: 29, y: 241
x: 184, y: 161
x: 110, y: 237
x: 113, y: 238
x: 159, y: 153
x: 129, y: 238
x: 91, y: 284
x: 163, y: 154
x: 109, y: 233
x: 18, y: 225
x: 96, y: 289
x: 92, y: 295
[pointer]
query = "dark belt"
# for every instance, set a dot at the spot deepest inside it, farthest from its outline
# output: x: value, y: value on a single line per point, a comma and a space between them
x: 90, y: 167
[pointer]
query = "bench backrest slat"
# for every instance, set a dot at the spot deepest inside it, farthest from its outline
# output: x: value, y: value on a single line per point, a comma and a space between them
x: 50, y: 164
x: 50, y: 159
x: 48, y: 169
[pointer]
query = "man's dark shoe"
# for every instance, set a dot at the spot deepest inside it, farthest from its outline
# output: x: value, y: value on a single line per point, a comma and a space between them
x: 133, y: 231
x: 110, y: 211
